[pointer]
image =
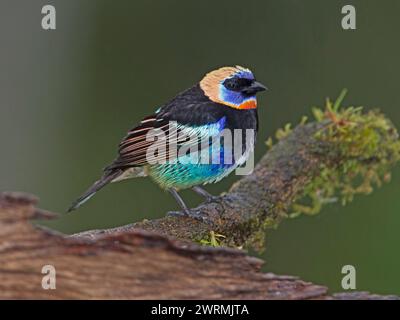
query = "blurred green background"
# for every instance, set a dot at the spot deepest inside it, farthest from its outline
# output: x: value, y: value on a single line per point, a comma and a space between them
x: 68, y: 96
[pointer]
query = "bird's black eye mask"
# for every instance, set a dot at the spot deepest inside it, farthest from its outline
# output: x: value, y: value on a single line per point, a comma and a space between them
x: 237, y: 84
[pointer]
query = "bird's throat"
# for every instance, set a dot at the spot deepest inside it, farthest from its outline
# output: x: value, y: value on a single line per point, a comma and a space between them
x: 249, y: 104
x: 245, y: 105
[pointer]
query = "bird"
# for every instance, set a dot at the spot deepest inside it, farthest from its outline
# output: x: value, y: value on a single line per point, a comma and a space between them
x: 224, y: 100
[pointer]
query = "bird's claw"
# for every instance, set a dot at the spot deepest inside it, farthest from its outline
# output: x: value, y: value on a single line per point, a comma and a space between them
x: 194, y: 214
x: 212, y: 199
x: 176, y: 214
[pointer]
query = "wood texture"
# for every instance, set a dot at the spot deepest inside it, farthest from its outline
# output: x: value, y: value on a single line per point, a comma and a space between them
x: 131, y: 264
x: 161, y: 259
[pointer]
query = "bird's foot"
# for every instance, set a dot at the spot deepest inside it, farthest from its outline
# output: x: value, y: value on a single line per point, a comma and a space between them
x: 190, y: 213
x: 207, y: 196
x: 211, y: 198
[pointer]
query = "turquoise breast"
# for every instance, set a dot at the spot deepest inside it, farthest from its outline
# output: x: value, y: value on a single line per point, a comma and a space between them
x: 195, y: 167
x: 206, y: 164
x: 185, y: 175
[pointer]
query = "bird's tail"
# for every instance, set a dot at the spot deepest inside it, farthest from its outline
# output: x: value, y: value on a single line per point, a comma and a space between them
x: 105, y: 179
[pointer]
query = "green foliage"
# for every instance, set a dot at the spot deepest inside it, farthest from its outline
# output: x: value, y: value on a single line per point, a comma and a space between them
x: 214, y: 240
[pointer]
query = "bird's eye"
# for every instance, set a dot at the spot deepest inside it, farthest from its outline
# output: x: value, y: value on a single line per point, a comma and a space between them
x: 231, y: 84
x: 236, y: 84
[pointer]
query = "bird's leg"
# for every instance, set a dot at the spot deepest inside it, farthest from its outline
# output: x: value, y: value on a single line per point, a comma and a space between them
x: 209, y: 197
x: 180, y: 201
x: 186, y: 211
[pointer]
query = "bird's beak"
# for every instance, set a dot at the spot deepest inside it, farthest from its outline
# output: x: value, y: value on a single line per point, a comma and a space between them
x: 254, y: 88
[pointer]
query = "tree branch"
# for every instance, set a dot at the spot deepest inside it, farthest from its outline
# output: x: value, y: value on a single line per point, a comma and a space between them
x: 317, y: 161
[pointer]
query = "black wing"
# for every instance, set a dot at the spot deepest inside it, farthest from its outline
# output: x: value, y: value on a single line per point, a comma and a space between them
x: 190, y: 108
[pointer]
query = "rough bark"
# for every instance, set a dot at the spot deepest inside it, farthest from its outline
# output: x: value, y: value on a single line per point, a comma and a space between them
x: 131, y: 264
x: 161, y: 259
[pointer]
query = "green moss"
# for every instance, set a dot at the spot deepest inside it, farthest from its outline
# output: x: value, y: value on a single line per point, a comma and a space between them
x: 367, y: 146
x: 257, y: 239
x: 284, y: 132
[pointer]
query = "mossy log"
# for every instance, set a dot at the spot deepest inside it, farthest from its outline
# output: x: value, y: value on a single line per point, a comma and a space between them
x: 318, y: 161
x: 163, y: 259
